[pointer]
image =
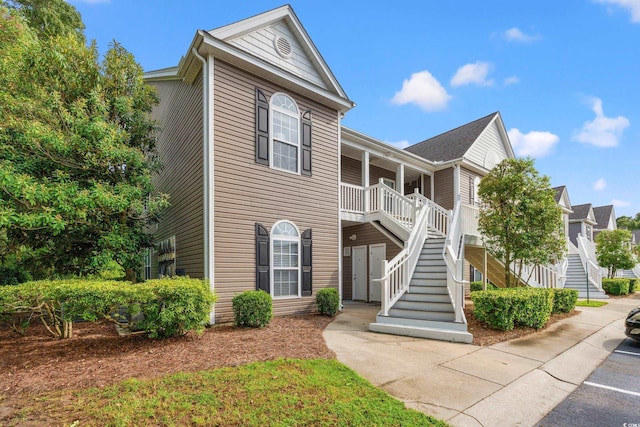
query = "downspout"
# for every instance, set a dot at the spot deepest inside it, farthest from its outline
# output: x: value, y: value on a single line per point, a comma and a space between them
x: 206, y: 157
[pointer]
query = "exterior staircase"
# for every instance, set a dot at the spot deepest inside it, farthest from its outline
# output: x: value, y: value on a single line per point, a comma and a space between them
x: 577, y: 279
x: 628, y: 274
x: 425, y: 311
x: 495, y: 268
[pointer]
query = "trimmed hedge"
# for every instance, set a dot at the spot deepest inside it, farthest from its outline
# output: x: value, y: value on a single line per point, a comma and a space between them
x: 253, y: 309
x: 616, y: 286
x: 633, y: 283
x: 506, y: 308
x: 328, y: 301
x: 477, y: 286
x: 564, y: 300
x: 170, y: 306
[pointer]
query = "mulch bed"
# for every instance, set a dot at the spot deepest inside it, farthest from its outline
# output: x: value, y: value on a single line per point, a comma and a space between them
x: 96, y: 356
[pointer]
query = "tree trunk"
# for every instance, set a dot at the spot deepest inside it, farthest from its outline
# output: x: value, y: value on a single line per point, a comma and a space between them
x: 130, y: 275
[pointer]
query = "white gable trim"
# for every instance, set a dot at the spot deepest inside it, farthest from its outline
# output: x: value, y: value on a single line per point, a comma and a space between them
x: 287, y: 14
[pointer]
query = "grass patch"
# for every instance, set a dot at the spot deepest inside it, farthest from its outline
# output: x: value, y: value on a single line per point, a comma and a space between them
x: 289, y: 392
x: 590, y: 303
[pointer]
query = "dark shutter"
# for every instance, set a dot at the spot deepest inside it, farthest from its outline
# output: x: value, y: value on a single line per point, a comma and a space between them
x: 262, y: 258
x: 306, y: 143
x: 306, y: 263
x: 262, y: 128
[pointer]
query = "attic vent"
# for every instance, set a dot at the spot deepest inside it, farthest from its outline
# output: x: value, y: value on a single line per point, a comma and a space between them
x: 283, y: 46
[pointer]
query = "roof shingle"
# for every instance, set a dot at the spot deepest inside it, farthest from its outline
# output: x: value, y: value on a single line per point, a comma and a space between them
x: 452, y: 144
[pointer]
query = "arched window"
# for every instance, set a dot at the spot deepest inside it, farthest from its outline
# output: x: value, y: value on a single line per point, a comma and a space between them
x: 285, y: 133
x: 285, y: 260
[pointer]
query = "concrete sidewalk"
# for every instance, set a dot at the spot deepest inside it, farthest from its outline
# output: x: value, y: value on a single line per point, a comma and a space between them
x: 511, y: 383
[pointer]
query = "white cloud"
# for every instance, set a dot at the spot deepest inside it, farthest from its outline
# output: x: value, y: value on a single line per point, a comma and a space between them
x: 400, y: 144
x: 511, y: 80
x: 423, y: 90
x: 620, y: 203
x: 472, y: 74
x: 632, y: 5
x: 516, y: 35
x: 600, y: 184
x: 602, y: 131
x: 534, y: 143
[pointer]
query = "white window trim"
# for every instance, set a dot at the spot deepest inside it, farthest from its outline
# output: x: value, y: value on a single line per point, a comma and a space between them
x: 387, y: 181
x: 271, y: 266
x: 271, y: 144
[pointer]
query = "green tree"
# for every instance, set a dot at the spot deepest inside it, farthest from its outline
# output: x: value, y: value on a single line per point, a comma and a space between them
x: 613, y: 250
x: 628, y: 223
x: 77, y: 147
x: 520, y: 221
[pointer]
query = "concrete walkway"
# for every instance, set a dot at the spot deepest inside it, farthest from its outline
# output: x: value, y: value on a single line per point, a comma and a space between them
x: 514, y: 383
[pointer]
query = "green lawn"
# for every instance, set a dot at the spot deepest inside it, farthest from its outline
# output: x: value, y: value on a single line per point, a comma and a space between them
x: 279, y: 393
x: 590, y: 303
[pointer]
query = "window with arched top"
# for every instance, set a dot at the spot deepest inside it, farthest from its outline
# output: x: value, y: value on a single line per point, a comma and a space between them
x: 285, y: 260
x: 285, y: 133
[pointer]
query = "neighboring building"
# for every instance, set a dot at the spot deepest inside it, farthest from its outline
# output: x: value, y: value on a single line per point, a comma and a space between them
x: 581, y: 222
x: 605, y: 219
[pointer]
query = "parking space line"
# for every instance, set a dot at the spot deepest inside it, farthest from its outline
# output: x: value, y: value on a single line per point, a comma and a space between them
x: 606, y: 387
x: 627, y: 352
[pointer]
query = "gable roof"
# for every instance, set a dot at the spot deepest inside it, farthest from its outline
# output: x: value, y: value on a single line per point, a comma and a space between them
x: 315, y: 80
x: 561, y: 197
x: 603, y: 216
x: 582, y: 213
x: 453, y: 144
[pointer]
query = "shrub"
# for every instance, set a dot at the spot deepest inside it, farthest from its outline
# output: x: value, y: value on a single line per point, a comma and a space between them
x: 253, y: 309
x: 616, y: 286
x: 477, y: 286
x: 564, y: 300
x: 506, y: 308
x: 170, y: 306
x: 632, y: 285
x: 328, y: 301
x: 175, y: 306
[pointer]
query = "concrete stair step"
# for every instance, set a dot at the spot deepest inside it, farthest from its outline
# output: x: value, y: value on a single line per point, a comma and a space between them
x: 422, y: 315
x: 422, y: 282
x: 443, y: 331
x: 437, y: 268
x: 431, y: 307
x: 430, y: 290
x: 443, y: 297
x: 430, y: 275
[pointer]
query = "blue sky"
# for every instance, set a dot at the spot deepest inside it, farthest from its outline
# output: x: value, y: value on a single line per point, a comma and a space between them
x: 565, y: 75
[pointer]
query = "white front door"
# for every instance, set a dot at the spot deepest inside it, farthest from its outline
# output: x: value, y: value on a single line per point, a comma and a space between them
x: 377, y: 253
x: 359, y: 272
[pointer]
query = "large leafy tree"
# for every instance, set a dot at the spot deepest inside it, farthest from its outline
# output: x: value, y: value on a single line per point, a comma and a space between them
x: 77, y: 146
x: 613, y: 250
x: 629, y: 223
x: 519, y: 218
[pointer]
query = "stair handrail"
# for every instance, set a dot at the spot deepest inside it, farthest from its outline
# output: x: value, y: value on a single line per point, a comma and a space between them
x: 352, y: 198
x: 636, y: 270
x: 451, y: 252
x: 587, y: 251
x: 385, y: 200
x: 538, y: 276
x: 562, y: 267
x: 397, y: 273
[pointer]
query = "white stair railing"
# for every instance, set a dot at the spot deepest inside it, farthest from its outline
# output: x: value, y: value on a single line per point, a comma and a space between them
x: 538, y: 276
x: 352, y: 198
x: 455, y: 264
x: 587, y: 251
x: 438, y: 216
x: 385, y: 200
x: 636, y: 270
x: 562, y: 267
x: 397, y: 273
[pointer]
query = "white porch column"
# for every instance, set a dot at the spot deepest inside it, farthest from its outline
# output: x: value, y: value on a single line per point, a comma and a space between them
x: 400, y: 178
x: 365, y: 178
